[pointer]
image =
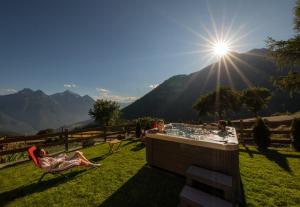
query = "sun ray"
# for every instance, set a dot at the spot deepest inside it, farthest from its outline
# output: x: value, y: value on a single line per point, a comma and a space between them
x: 211, y: 68
x: 212, y: 20
x: 228, y: 73
x: 217, y: 102
x: 244, y: 78
x: 247, y: 64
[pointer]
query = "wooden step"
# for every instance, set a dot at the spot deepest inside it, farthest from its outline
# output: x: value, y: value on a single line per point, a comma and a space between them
x: 192, y: 197
x: 209, y: 177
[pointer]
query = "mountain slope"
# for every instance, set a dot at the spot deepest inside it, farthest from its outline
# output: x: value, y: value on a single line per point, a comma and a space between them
x: 8, y: 125
x: 173, y: 99
x: 36, y: 110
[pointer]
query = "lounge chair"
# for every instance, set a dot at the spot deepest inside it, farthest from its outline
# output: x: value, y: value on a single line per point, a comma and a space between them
x: 37, y: 164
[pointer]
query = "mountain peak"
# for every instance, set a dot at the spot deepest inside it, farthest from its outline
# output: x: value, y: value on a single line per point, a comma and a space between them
x: 26, y: 91
x: 68, y: 92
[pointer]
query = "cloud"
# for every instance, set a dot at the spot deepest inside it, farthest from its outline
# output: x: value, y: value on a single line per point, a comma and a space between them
x: 108, y: 95
x: 152, y: 86
x: 102, y: 90
x: 6, y: 91
x: 116, y: 98
x: 70, y: 85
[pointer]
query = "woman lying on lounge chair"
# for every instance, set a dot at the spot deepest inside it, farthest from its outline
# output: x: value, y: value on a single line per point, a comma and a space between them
x: 61, y: 162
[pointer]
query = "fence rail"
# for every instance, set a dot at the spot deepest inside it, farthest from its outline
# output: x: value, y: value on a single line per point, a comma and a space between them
x: 279, y: 136
x: 11, y: 145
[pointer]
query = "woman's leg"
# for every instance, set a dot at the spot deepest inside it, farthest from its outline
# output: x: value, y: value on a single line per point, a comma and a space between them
x: 87, y: 163
x: 80, y: 155
x: 76, y: 155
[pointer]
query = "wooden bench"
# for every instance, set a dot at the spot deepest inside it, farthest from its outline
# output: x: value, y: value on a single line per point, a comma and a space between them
x: 114, y: 145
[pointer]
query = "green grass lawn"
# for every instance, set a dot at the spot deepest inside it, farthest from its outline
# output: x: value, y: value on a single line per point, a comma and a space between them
x: 122, y: 180
x: 269, y: 179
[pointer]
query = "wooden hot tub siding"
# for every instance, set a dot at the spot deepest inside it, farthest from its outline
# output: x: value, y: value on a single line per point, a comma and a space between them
x: 177, y: 157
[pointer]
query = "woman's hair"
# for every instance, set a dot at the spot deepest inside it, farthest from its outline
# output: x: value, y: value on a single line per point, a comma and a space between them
x: 37, y: 152
x: 160, y: 121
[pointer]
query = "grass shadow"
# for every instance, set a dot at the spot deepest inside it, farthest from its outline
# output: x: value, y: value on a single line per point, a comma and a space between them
x: 273, y: 155
x: 248, y: 150
x: 278, y: 158
x: 96, y: 159
x: 138, y: 147
x: 148, y: 188
x: 8, y: 196
x: 130, y: 141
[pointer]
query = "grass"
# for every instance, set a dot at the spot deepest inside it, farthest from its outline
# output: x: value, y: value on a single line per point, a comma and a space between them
x: 270, y: 178
x: 122, y: 180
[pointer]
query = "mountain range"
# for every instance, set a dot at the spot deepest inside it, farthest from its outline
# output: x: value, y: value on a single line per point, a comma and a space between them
x: 28, y: 111
x: 174, y: 98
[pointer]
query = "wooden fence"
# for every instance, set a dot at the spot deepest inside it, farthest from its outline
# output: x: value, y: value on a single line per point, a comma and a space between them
x: 11, y: 145
x: 280, y: 132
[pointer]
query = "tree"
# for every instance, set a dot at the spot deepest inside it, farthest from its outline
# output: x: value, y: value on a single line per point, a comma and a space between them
x: 255, y: 98
x: 220, y: 101
x: 261, y: 134
x: 105, y: 112
x: 286, y: 53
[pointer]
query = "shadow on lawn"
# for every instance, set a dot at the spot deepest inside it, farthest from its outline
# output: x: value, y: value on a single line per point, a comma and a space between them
x: 273, y: 155
x: 149, y: 187
x: 248, y: 150
x: 8, y: 196
x: 96, y: 159
x: 278, y: 158
x: 130, y: 141
x: 138, y: 147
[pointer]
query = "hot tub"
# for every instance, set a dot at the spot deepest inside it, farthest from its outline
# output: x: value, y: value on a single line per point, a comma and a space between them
x: 184, y: 145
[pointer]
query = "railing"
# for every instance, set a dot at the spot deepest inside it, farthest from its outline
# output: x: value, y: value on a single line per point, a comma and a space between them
x: 279, y: 135
x: 11, y: 145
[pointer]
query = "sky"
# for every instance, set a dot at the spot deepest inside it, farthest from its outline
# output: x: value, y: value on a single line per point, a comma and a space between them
x: 119, y: 49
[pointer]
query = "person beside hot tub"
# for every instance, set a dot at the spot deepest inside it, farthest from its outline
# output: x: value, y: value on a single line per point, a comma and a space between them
x: 159, y: 129
x: 222, y: 125
x: 222, y: 128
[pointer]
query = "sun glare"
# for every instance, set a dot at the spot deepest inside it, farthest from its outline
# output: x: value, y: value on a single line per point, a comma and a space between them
x: 220, y: 48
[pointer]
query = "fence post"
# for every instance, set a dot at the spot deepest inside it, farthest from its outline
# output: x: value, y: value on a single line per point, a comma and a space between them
x: 124, y: 132
x: 105, y: 134
x: 241, y: 131
x: 66, y: 140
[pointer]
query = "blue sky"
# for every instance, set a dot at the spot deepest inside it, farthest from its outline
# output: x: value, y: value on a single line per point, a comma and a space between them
x: 122, y: 49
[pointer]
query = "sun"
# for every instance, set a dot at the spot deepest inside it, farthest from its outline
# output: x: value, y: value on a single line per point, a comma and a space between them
x: 220, y: 48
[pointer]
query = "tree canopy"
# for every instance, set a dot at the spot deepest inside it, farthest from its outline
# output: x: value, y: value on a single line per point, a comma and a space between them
x: 220, y: 101
x: 255, y: 99
x: 286, y: 53
x: 105, y: 112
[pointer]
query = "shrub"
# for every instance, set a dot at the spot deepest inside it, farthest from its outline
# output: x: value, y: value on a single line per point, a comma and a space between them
x: 138, y: 130
x: 261, y: 134
x: 88, y: 142
x: 295, y: 130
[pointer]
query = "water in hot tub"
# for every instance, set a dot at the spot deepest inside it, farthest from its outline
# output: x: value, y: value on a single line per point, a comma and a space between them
x: 199, y: 133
